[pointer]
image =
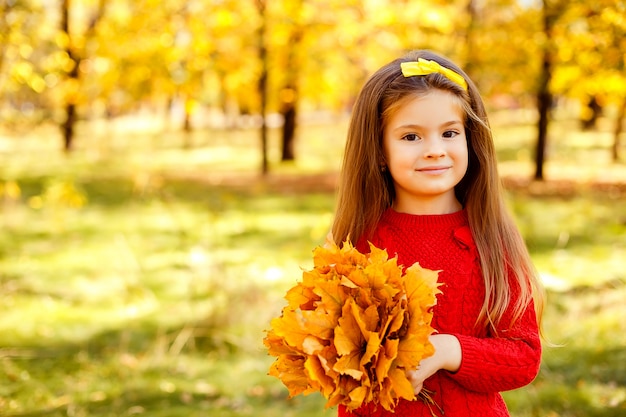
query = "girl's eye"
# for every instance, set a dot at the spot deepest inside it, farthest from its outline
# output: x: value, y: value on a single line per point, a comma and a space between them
x: 449, y: 134
x: 411, y: 137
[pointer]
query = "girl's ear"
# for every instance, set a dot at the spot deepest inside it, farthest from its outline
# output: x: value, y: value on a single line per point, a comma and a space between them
x: 382, y: 164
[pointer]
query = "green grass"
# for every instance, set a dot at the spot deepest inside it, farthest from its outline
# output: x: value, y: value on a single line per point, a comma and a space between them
x: 137, y: 277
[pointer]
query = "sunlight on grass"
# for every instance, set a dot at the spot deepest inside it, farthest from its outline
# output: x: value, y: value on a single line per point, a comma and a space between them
x: 577, y: 241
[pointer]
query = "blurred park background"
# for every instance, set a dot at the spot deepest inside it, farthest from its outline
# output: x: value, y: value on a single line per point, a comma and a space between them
x: 167, y: 167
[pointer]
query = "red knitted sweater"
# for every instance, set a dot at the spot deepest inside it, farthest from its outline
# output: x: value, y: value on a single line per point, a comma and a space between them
x: 489, y: 363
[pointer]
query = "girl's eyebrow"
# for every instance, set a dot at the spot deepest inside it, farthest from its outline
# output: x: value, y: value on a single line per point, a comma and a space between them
x: 416, y: 126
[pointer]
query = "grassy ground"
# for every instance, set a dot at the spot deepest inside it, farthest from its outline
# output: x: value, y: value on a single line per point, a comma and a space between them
x: 137, y: 277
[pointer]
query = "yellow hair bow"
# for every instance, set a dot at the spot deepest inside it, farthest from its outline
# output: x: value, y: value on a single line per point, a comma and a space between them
x: 425, y: 67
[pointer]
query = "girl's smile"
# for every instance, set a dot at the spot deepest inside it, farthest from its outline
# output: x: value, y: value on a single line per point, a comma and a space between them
x: 434, y: 170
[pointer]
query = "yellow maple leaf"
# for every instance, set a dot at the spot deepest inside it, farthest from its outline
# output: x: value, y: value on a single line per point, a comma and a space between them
x: 366, y: 319
x: 320, y: 323
x: 276, y: 347
x: 377, y: 255
x: 357, y: 397
x: 350, y: 364
x: 402, y: 387
x: 301, y: 297
x: 312, y: 345
x: 290, y: 370
x: 386, y: 358
x: 348, y: 337
x: 371, y: 351
x: 316, y: 373
x: 421, y: 287
x: 412, y: 349
x: 331, y: 296
x: 386, y: 395
x: 356, y: 278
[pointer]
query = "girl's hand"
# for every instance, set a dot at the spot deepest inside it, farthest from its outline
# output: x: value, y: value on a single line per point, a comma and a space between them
x: 447, y: 356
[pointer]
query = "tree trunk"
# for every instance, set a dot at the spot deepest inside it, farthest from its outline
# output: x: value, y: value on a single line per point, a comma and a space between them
x: 544, y: 96
x: 188, y: 109
x: 71, y: 114
x: 470, y: 34
x: 544, y: 103
x: 289, y: 94
x: 187, y: 128
x: 262, y: 84
x: 67, y: 127
x: 618, y: 130
x: 593, y: 111
x: 289, y: 131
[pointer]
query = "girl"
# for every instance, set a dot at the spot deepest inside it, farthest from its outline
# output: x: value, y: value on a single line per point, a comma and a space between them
x: 420, y: 179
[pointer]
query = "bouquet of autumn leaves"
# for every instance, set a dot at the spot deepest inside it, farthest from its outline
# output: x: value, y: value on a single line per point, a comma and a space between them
x: 353, y: 326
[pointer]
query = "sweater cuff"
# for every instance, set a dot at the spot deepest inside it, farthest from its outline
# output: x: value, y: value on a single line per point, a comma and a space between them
x: 484, y: 370
x: 472, y: 373
x: 470, y: 352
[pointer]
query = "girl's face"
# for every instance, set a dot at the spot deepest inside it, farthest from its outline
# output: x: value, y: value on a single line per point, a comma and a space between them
x: 426, y: 153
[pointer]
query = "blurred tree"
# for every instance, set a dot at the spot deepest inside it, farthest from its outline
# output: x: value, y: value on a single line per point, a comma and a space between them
x: 140, y: 55
x: 233, y: 26
x: 615, y: 18
x: 617, y: 131
x: 605, y: 21
x: 184, y: 39
x: 67, y: 127
x: 77, y: 50
x: 505, y: 57
x: 24, y: 44
x: 262, y: 81
x: 591, y: 113
x: 288, y: 96
x: 305, y: 38
x: 473, y: 15
x: 194, y: 42
x: 177, y: 58
x: 591, y: 44
x: 552, y: 11
x: 5, y: 29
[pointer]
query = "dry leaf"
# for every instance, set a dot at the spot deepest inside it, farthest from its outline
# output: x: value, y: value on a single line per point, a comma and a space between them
x: 353, y: 326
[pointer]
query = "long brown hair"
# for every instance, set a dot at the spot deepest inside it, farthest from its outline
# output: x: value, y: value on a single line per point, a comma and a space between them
x: 366, y: 191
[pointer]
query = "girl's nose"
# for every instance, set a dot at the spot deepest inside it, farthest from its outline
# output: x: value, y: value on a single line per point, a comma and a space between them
x: 434, y: 148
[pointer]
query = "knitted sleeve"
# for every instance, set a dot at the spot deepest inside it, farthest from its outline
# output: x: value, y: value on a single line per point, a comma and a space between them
x: 508, y: 361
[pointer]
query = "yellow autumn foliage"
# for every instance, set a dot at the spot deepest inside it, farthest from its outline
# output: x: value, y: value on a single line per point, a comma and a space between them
x: 353, y: 326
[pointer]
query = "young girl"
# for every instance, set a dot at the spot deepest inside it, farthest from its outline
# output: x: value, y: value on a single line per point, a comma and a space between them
x: 420, y: 179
